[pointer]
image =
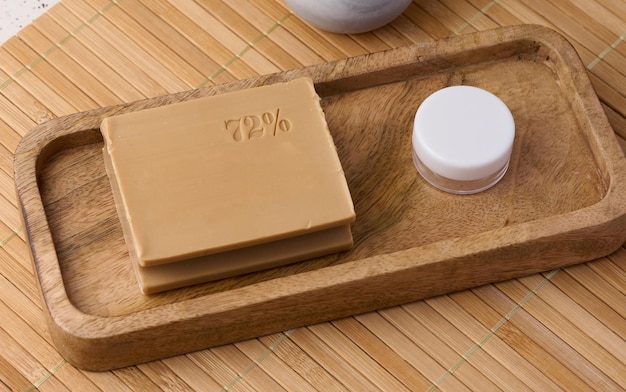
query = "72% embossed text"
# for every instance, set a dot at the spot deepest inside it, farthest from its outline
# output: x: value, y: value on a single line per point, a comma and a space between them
x: 255, y: 126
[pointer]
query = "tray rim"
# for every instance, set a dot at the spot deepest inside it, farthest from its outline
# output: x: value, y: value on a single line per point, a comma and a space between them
x: 75, y: 331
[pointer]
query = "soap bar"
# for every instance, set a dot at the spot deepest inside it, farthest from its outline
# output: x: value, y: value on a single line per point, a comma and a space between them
x: 241, y: 261
x: 226, y: 172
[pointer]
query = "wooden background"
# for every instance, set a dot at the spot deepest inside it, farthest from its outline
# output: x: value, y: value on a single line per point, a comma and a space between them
x: 562, y: 330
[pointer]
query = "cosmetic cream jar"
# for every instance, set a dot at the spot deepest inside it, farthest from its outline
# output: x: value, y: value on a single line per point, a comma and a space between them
x: 462, y: 139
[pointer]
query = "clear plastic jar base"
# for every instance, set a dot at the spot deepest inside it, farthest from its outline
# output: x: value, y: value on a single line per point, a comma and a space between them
x: 458, y: 187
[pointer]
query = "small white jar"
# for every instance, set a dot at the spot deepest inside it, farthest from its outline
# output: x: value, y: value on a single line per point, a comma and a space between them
x: 348, y: 16
x: 462, y: 139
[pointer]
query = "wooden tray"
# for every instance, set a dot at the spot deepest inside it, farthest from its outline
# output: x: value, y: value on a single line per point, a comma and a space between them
x: 561, y: 202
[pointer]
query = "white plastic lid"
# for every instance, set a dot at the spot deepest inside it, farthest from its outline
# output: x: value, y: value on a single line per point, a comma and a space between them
x: 463, y: 133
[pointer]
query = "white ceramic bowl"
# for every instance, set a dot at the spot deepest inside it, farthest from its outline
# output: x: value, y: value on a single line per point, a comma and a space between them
x: 348, y: 16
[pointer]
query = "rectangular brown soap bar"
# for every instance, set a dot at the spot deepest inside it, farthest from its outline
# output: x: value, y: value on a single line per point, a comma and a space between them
x: 240, y: 261
x: 224, y: 173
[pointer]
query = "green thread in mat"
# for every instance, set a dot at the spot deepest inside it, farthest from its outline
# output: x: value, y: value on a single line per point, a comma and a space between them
x: 492, y: 331
x: 249, y: 46
x: 45, y: 377
x: 58, y: 45
x: 14, y: 233
x: 257, y: 362
x: 478, y: 15
x: 606, y: 51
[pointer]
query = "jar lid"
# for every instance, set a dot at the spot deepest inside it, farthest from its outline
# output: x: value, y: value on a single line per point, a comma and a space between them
x: 463, y: 133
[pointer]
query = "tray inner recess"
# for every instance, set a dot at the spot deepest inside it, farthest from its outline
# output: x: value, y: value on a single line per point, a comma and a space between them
x: 553, y: 170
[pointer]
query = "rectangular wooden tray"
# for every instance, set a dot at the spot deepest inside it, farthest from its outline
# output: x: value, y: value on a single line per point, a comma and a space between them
x: 561, y: 202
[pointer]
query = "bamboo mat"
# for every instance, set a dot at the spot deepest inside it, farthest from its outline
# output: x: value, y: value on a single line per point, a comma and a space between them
x: 561, y: 330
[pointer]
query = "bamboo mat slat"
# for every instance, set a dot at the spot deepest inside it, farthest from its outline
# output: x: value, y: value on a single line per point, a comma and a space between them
x: 563, y: 330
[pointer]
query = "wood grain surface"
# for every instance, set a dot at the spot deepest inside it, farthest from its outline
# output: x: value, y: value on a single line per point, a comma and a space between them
x: 561, y: 330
